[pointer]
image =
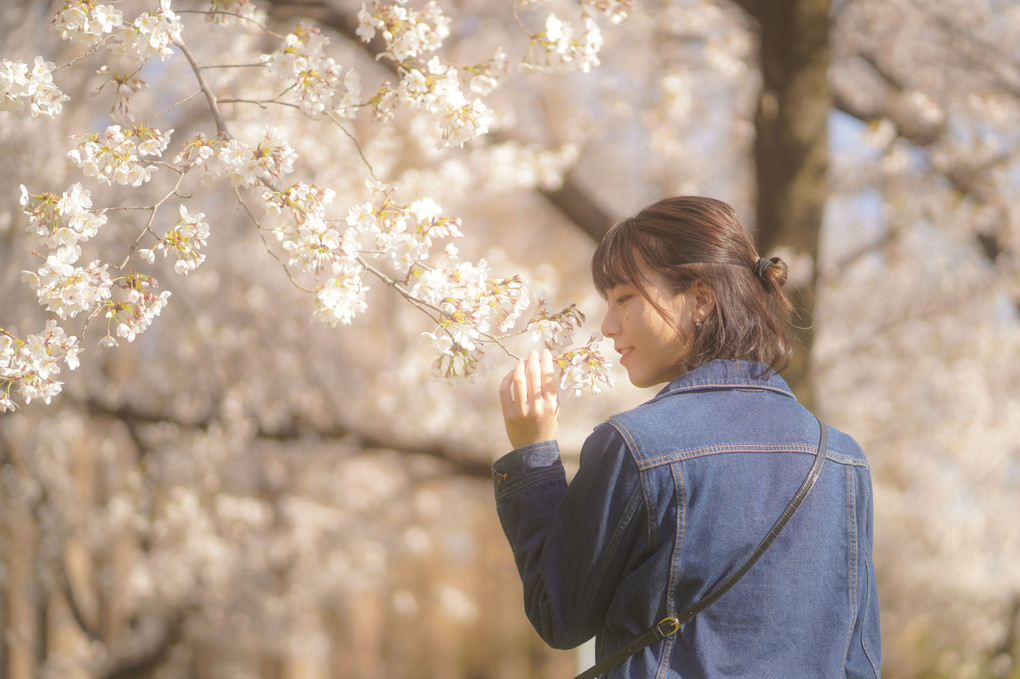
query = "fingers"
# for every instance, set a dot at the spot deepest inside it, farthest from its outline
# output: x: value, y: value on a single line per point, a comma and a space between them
x: 506, y: 397
x: 529, y: 399
x: 534, y: 370
x: 519, y: 388
x: 549, y: 390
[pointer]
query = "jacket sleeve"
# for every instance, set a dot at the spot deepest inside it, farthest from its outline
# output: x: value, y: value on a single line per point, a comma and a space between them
x: 571, y: 543
x: 864, y: 653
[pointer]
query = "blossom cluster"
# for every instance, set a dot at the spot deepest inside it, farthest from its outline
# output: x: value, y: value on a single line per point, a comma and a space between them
x: 20, y: 83
x: 65, y: 289
x: 471, y: 307
x: 469, y: 301
x: 560, y: 46
x: 316, y: 80
x: 133, y: 314
x: 408, y: 34
x: 436, y: 89
x: 464, y: 300
x: 556, y: 330
x: 60, y: 223
x: 86, y: 22
x: 114, y: 156
x: 404, y: 233
x: 429, y: 85
x: 316, y: 245
x: 185, y: 239
x: 61, y: 220
x: 149, y: 35
x: 245, y: 165
x: 32, y: 363
x: 271, y: 158
x: 584, y: 368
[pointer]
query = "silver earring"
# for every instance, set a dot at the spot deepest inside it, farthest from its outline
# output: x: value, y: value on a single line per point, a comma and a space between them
x: 697, y: 323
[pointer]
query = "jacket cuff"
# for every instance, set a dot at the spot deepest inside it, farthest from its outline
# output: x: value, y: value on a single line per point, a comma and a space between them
x: 526, y: 465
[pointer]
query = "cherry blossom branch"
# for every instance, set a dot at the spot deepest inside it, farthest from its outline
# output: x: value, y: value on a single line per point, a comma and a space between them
x: 357, y: 145
x: 153, y: 209
x: 176, y: 104
x: 235, y: 15
x: 221, y: 125
x: 272, y: 253
x: 213, y: 67
x: 81, y: 57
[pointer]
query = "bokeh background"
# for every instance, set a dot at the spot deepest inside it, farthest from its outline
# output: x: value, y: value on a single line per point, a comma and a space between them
x: 244, y: 492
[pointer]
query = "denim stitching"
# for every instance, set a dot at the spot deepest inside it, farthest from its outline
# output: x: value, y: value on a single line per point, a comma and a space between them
x: 635, y: 453
x: 728, y: 448
x: 531, y: 479
x: 716, y: 386
x: 629, y: 438
x: 680, y: 456
x: 653, y: 510
x: 674, y: 570
x: 851, y: 559
x: 864, y: 642
x: 680, y: 533
x: 667, y: 656
x: 682, y: 502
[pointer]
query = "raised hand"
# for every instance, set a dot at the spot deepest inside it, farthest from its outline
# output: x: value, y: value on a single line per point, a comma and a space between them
x: 530, y: 400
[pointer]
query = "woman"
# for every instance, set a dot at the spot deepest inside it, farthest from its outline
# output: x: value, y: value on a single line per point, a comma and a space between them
x: 673, y: 496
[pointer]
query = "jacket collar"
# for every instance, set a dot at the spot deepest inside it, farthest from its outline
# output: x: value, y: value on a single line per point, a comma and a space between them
x: 723, y: 374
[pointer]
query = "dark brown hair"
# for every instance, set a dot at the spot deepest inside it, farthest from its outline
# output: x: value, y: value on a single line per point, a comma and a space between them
x: 690, y: 240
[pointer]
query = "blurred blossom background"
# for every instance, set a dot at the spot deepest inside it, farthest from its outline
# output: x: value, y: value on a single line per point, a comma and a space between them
x: 243, y: 491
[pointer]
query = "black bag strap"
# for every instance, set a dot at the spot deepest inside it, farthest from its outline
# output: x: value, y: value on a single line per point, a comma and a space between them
x: 670, y: 625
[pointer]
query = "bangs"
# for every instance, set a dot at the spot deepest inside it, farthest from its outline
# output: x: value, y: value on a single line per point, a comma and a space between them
x: 614, y: 262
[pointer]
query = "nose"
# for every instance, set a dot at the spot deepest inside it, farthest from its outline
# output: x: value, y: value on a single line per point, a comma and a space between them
x: 610, y: 327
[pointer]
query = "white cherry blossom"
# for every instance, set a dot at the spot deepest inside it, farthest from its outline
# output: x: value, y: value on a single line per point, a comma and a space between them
x: 151, y: 34
x: 20, y: 82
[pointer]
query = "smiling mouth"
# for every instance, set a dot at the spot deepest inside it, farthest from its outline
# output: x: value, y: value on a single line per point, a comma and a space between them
x: 624, y: 353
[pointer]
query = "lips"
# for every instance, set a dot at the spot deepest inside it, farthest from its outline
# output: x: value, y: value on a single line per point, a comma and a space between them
x: 624, y: 352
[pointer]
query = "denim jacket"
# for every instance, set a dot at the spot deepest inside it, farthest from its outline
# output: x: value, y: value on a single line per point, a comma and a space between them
x: 670, y: 498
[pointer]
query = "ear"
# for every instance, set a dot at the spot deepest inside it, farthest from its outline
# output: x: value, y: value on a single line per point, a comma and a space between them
x: 704, y: 299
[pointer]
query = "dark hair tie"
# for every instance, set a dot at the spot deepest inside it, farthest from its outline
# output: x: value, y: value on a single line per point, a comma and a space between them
x: 761, y: 267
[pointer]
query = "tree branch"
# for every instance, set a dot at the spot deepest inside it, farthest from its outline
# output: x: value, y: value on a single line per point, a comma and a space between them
x: 221, y: 125
x: 964, y: 181
x: 464, y: 463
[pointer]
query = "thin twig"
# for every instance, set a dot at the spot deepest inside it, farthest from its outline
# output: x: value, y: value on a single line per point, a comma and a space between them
x: 231, y: 14
x: 424, y: 306
x: 354, y: 141
x: 261, y: 231
x: 152, y: 217
x: 87, y: 54
x: 221, y: 125
x: 176, y: 104
x: 211, y: 67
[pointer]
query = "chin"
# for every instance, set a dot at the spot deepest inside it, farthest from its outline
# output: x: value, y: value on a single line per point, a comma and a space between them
x: 643, y: 382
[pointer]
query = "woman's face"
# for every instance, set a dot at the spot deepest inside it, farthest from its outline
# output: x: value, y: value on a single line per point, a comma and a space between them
x: 650, y: 347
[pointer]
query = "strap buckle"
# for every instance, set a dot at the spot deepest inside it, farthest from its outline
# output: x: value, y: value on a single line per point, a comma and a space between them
x: 667, y: 627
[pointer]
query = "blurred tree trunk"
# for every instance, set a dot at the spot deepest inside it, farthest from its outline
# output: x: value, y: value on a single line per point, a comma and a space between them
x: 791, y: 152
x: 20, y: 611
